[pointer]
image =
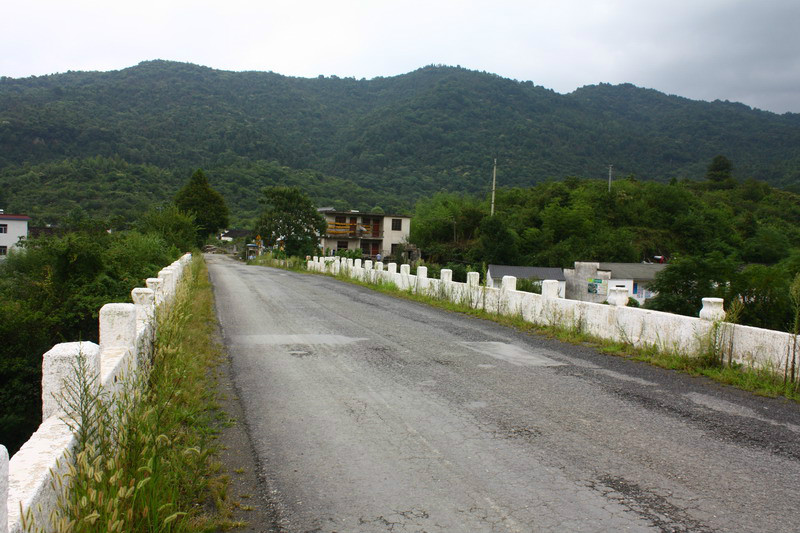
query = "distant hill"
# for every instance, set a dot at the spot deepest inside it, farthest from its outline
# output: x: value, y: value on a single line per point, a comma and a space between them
x: 384, y: 141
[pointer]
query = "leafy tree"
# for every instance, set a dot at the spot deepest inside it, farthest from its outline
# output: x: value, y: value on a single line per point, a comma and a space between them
x: 720, y: 169
x: 498, y: 244
x: 51, y: 291
x: 289, y: 216
x: 176, y: 227
x: 207, y: 205
x: 683, y: 284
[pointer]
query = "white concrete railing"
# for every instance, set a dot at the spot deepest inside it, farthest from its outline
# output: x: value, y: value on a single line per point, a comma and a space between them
x: 641, y: 328
x: 126, y: 334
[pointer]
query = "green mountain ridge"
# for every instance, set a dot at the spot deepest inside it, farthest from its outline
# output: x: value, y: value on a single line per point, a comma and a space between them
x: 386, y: 141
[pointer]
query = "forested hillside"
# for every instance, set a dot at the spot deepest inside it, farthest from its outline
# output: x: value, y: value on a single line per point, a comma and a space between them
x: 133, y: 136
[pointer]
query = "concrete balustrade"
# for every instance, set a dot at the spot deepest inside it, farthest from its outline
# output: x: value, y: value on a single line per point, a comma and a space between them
x: 615, y: 322
x: 126, y: 329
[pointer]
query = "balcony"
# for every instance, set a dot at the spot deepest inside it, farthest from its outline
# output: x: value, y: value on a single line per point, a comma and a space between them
x: 345, y: 230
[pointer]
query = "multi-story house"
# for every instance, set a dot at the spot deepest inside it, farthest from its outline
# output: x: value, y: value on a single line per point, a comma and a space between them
x: 12, y: 229
x: 374, y: 233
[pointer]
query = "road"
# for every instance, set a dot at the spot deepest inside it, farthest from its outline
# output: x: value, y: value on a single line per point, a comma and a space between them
x: 371, y: 413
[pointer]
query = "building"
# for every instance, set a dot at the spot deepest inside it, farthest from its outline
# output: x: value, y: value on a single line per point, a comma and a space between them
x: 495, y: 273
x: 374, y: 233
x: 590, y: 282
x: 12, y: 229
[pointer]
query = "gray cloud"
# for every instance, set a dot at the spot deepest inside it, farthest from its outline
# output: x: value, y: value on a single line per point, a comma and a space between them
x: 737, y: 50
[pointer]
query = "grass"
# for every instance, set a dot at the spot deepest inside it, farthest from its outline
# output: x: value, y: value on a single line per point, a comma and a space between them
x: 760, y: 381
x: 146, y: 462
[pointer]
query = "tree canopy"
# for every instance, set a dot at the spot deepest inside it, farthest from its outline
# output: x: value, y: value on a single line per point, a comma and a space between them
x: 290, y: 219
x: 206, y: 205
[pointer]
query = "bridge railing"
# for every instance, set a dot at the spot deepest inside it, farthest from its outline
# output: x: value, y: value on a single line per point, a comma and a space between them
x: 127, y: 331
x: 641, y: 328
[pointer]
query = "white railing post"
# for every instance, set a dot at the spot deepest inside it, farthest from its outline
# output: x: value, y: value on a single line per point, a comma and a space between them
x: 509, y: 283
x: 145, y: 302
x: 157, y: 286
x: 117, y: 326
x: 712, y: 309
x: 3, y: 489
x: 446, y: 275
x: 550, y: 288
x: 618, y: 296
x: 59, y: 365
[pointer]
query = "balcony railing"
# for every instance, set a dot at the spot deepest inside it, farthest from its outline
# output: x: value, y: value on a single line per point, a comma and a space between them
x: 353, y: 231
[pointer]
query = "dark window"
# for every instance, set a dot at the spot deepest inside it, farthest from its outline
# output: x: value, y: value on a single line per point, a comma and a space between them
x: 396, y: 250
x: 3, y: 250
x: 397, y: 224
x: 341, y: 245
x: 3, y: 228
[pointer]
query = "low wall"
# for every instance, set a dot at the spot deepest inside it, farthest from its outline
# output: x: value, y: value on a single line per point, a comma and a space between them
x: 127, y: 331
x: 641, y: 328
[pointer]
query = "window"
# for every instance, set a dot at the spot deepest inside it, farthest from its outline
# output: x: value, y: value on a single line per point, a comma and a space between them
x: 3, y: 228
x: 397, y: 224
x: 341, y: 245
x: 3, y: 250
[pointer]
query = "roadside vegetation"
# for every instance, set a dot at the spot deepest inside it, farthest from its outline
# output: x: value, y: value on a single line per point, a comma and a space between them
x: 146, y: 463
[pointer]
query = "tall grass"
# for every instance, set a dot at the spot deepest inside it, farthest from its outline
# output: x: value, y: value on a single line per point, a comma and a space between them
x: 145, y: 462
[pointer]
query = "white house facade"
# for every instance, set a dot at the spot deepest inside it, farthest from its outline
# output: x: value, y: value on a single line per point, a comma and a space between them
x: 373, y: 233
x: 12, y: 229
x: 591, y: 282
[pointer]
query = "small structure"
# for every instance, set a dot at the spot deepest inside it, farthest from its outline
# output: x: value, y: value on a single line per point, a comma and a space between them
x: 233, y: 234
x: 592, y: 282
x: 13, y: 228
x: 374, y: 233
x: 495, y: 273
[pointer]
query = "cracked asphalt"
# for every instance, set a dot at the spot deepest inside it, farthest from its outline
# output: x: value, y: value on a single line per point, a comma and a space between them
x: 369, y: 413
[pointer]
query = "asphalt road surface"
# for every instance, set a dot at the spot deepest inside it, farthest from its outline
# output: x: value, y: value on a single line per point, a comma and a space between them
x: 371, y: 413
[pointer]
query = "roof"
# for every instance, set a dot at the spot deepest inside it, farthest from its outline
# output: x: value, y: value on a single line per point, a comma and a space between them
x: 638, y: 271
x: 237, y: 233
x: 332, y: 211
x: 527, y: 272
x: 14, y: 217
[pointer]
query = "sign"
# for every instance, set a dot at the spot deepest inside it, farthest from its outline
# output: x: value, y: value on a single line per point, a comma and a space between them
x: 597, y: 286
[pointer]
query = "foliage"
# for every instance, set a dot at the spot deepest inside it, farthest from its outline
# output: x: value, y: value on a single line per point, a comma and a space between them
x: 129, y: 137
x: 204, y: 203
x: 174, y: 226
x: 358, y: 253
x: 145, y: 463
x: 51, y: 291
x: 290, y: 217
x: 687, y: 280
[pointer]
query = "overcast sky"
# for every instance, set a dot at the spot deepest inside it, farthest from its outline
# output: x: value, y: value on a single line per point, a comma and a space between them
x: 744, y: 51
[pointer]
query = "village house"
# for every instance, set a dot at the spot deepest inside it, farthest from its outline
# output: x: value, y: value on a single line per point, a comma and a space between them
x: 590, y: 282
x: 495, y: 273
x: 373, y: 233
x: 12, y: 229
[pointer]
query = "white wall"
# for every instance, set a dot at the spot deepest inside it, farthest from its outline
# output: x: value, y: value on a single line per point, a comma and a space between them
x: 126, y: 333
x: 16, y: 229
x: 641, y: 328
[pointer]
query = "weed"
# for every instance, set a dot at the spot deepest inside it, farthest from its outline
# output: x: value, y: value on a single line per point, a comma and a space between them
x: 144, y: 461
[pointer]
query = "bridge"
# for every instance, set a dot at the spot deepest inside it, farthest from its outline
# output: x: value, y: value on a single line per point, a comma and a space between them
x: 372, y: 413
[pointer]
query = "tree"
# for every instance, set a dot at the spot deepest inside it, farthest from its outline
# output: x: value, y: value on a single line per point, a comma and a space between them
x: 207, y: 205
x: 683, y: 284
x: 290, y: 217
x: 177, y: 228
x: 719, y: 170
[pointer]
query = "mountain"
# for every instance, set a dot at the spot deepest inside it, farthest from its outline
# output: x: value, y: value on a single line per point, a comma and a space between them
x: 385, y: 141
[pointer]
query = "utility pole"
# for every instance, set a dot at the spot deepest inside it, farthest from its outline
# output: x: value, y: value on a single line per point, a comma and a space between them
x: 610, y: 171
x: 494, y: 185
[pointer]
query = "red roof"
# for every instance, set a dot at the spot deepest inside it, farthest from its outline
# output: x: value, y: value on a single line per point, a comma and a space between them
x: 4, y: 216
